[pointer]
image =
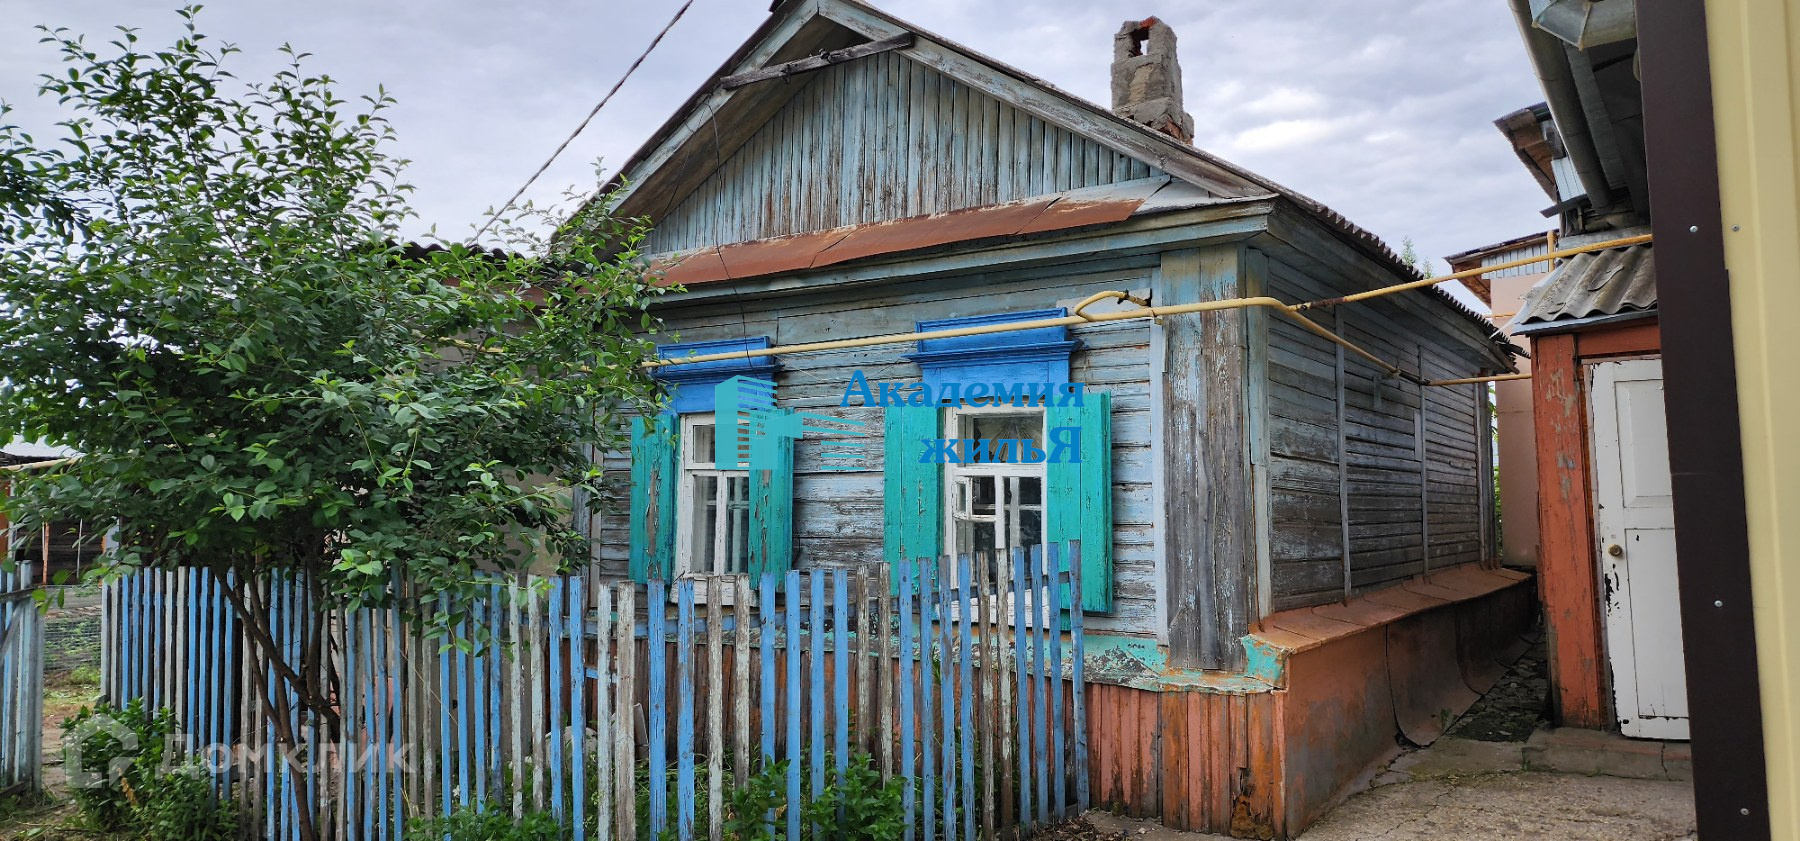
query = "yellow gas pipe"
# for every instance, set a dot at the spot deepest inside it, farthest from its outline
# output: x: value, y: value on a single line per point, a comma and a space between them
x: 1078, y: 315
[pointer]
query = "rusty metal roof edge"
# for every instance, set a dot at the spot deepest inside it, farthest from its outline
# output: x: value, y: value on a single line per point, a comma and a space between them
x: 861, y: 265
x: 1140, y: 190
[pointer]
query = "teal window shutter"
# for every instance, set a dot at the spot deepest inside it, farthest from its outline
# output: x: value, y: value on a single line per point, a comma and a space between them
x: 655, y: 470
x: 1079, y: 496
x: 913, y: 492
x: 772, y: 510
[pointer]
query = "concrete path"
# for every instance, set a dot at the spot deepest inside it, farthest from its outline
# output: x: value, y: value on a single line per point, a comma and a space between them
x: 1514, y: 806
x: 1567, y: 785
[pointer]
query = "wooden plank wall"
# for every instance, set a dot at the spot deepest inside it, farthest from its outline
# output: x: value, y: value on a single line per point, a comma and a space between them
x: 1207, y: 498
x: 838, y: 513
x: 1194, y: 760
x: 883, y: 138
x: 1372, y: 473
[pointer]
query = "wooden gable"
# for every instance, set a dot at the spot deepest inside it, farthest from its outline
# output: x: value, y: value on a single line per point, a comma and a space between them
x: 877, y: 139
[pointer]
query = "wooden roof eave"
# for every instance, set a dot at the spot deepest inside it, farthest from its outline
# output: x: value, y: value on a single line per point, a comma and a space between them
x: 1299, y: 237
x: 670, y: 164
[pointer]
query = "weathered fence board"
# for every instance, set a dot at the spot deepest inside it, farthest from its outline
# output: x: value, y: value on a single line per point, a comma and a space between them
x: 962, y: 677
x: 21, y: 680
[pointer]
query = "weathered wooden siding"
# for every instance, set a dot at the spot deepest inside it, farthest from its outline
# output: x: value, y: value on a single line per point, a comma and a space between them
x: 1207, y: 498
x: 883, y: 138
x: 1372, y: 472
x: 838, y: 514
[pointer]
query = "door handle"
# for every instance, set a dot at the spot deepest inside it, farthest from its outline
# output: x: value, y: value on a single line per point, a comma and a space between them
x: 1616, y: 550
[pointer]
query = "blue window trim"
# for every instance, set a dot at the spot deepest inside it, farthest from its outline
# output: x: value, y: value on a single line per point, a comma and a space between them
x: 1036, y: 355
x: 691, y: 385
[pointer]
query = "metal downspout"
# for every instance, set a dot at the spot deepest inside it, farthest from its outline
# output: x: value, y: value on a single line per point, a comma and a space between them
x: 1552, y: 65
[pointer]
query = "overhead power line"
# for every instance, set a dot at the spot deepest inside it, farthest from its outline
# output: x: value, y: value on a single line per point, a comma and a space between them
x: 492, y: 217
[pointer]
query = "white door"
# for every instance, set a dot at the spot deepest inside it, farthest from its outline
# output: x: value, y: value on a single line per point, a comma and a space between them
x: 1635, y: 527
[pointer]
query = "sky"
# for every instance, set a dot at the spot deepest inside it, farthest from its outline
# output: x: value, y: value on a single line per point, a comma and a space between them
x: 1381, y: 109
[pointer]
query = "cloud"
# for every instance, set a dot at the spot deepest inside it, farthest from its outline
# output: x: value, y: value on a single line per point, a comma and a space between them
x: 1382, y: 109
x: 1291, y: 134
x: 1286, y: 100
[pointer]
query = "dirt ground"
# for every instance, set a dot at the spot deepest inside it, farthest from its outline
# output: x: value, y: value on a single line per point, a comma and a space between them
x: 52, y: 816
x: 1516, y: 707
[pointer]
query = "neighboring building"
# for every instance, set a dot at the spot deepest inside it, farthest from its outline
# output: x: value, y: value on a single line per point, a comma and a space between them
x: 1606, y: 530
x: 1286, y: 550
x: 1503, y: 290
x: 70, y: 546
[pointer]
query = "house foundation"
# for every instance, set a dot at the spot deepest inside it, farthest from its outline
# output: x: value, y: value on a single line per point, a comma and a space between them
x: 1328, y: 696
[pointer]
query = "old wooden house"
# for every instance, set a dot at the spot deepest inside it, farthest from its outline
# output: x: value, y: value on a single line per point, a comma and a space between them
x: 1284, y: 543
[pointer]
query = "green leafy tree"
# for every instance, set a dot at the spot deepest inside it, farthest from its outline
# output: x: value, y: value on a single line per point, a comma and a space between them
x: 1409, y: 254
x: 203, y: 290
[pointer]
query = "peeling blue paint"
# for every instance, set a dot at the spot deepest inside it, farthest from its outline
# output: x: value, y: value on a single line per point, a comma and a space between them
x: 1264, y: 660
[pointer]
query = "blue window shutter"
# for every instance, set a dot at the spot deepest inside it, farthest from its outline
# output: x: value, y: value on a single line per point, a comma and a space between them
x: 1079, y: 501
x: 913, y: 493
x: 655, y: 470
x: 772, y: 511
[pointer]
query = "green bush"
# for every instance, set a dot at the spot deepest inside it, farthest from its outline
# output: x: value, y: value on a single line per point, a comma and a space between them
x: 476, y: 824
x: 854, y: 806
x: 112, y: 755
x: 116, y: 762
x: 181, y: 806
x: 84, y: 675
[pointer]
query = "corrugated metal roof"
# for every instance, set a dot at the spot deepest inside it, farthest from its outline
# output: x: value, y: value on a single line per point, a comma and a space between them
x: 1617, y: 281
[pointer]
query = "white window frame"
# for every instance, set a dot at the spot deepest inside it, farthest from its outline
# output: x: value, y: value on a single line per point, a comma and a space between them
x: 692, y: 467
x: 1000, y: 471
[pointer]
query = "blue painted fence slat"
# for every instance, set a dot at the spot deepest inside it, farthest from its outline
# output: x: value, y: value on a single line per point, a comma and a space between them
x: 956, y: 651
x: 684, y: 720
x: 947, y: 703
x: 815, y: 633
x: 1040, y: 619
x: 842, y: 704
x: 656, y: 603
x: 965, y: 612
x: 793, y: 677
x: 577, y: 703
x: 927, y: 711
x: 905, y: 665
x: 363, y: 656
x: 1022, y: 697
x: 1057, y: 595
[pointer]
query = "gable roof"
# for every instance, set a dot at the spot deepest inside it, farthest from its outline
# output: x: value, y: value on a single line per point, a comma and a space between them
x: 715, y: 123
x: 711, y: 124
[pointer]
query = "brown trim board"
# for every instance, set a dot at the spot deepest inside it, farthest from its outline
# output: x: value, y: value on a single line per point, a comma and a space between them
x: 1731, y: 791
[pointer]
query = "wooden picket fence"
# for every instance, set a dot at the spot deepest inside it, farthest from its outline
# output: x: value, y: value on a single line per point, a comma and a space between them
x: 21, y: 681
x: 962, y: 677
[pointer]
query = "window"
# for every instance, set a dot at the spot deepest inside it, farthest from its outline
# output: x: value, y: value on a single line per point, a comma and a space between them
x: 712, y: 506
x: 994, y: 506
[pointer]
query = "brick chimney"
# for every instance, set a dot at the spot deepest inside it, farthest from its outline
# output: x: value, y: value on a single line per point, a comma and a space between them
x: 1146, y: 78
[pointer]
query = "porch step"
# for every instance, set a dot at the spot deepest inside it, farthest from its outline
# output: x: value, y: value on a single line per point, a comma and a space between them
x: 1572, y: 750
x: 1560, y: 750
